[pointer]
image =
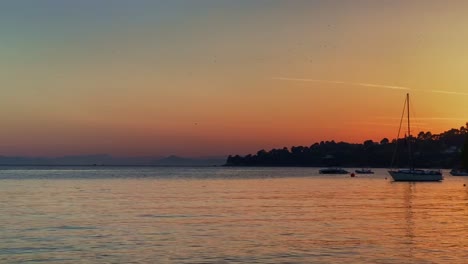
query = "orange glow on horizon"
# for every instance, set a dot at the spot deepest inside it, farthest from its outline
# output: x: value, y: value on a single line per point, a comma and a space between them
x: 209, y: 83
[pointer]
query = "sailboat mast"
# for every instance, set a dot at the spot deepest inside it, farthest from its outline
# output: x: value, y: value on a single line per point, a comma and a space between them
x: 409, y: 132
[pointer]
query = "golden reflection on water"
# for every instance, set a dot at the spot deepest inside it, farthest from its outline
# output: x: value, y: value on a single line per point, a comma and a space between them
x: 246, y: 216
x: 409, y: 218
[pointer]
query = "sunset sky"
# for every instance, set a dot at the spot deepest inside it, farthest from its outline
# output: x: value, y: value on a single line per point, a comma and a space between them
x: 210, y: 78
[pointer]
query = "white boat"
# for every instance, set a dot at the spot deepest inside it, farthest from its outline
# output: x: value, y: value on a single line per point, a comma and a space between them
x: 413, y: 174
x: 416, y: 175
x: 364, y: 171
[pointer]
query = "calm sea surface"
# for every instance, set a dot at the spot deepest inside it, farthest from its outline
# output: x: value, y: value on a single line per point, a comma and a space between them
x: 228, y: 215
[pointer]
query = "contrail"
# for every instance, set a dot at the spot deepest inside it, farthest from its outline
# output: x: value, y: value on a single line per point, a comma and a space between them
x: 393, y: 87
x: 348, y: 83
x: 382, y: 124
x: 426, y: 118
x: 448, y: 92
x: 382, y: 86
x: 308, y: 80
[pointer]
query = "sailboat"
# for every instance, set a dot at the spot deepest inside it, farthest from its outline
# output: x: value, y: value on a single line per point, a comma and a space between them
x: 413, y: 174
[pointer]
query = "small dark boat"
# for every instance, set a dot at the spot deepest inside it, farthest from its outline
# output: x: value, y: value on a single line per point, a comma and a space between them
x: 364, y: 171
x: 333, y: 171
x: 459, y: 172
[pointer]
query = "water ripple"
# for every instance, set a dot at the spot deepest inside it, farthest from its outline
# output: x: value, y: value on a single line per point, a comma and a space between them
x: 228, y: 215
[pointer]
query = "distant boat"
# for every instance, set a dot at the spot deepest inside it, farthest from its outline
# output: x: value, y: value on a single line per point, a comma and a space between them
x: 413, y: 174
x: 460, y: 172
x: 333, y: 171
x: 364, y: 171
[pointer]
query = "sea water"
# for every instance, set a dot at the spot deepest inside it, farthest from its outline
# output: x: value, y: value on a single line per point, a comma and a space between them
x: 227, y: 215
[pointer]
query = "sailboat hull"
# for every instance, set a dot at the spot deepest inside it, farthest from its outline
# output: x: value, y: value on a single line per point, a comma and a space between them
x: 416, y: 175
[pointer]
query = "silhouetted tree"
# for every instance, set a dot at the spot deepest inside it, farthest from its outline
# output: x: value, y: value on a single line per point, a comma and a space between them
x: 368, y: 143
x: 384, y: 141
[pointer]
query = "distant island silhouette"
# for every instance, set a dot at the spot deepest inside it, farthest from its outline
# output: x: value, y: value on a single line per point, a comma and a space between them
x: 108, y: 160
x: 445, y: 150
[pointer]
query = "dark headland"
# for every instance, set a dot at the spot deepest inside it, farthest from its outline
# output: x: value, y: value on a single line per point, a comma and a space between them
x: 445, y: 150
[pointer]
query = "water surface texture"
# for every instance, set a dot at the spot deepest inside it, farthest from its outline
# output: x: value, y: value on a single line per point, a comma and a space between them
x: 227, y: 215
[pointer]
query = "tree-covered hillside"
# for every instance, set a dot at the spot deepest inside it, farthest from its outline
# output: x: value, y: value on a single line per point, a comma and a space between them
x: 429, y: 151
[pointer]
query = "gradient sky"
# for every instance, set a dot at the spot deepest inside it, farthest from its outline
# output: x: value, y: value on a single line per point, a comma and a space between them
x: 206, y: 78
